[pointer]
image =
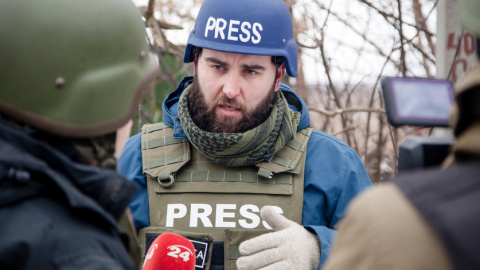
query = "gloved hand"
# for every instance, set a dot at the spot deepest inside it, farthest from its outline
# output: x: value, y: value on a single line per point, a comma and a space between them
x: 290, y: 247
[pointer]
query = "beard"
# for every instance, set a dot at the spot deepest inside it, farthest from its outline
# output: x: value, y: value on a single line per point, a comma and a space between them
x: 206, y: 119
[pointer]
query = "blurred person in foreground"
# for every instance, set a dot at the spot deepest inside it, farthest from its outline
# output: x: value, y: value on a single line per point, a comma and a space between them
x: 235, y: 139
x: 428, y: 219
x: 71, y: 74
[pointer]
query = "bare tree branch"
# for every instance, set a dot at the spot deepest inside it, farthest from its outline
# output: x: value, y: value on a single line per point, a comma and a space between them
x: 342, y: 111
x: 402, y: 39
x: 367, y: 135
x: 345, y: 130
x: 150, y: 7
x: 333, y: 90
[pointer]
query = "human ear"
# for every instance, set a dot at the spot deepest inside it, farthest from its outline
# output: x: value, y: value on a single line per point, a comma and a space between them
x: 279, y: 74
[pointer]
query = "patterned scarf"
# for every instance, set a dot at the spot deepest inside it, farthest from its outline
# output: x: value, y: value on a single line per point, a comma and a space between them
x: 247, y: 148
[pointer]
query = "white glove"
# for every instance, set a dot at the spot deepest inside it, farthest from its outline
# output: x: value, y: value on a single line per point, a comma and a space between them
x: 290, y: 247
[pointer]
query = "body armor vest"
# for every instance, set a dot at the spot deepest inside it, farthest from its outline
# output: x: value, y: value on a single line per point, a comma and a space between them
x: 448, y: 200
x: 215, y: 206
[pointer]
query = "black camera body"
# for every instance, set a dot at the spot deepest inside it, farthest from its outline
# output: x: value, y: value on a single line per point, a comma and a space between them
x: 421, y: 152
x: 419, y: 102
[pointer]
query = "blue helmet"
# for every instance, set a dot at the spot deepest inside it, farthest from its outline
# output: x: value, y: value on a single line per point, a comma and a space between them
x: 259, y: 27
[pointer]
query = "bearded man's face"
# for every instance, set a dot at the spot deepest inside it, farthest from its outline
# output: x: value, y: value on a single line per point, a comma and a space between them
x: 232, y: 92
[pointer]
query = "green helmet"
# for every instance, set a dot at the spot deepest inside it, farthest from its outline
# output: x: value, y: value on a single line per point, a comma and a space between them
x: 470, y: 15
x: 74, y: 68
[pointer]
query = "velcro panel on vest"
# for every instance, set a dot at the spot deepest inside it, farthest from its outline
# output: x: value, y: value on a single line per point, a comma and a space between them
x: 162, y: 154
x: 287, y: 159
x: 202, y: 175
x: 233, y: 239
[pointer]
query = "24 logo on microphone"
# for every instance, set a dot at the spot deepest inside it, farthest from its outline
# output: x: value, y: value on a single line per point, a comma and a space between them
x: 180, y: 251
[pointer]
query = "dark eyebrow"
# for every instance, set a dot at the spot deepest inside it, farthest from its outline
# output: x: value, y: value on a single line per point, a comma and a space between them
x: 216, y: 61
x: 224, y: 64
x: 254, y: 66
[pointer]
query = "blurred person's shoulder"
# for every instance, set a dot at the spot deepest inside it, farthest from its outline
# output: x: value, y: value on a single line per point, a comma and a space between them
x: 384, y: 221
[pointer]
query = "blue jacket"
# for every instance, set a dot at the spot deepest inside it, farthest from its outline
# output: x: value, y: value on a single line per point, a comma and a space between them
x: 334, y: 173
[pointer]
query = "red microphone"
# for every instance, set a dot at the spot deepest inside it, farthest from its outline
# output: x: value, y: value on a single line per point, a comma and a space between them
x: 170, y: 251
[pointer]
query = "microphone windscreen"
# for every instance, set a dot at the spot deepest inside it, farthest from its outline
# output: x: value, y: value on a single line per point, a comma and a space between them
x: 170, y: 251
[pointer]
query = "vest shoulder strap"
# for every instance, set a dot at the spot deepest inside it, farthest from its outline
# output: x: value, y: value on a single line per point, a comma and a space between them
x: 162, y: 154
x: 287, y: 159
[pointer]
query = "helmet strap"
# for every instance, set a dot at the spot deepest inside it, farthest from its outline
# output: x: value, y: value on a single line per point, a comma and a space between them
x: 277, y: 60
x: 196, y: 51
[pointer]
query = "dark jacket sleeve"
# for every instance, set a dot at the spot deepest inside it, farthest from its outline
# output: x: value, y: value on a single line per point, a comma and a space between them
x: 41, y: 233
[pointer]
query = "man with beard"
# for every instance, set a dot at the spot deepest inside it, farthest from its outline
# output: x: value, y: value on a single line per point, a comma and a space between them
x: 235, y: 147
